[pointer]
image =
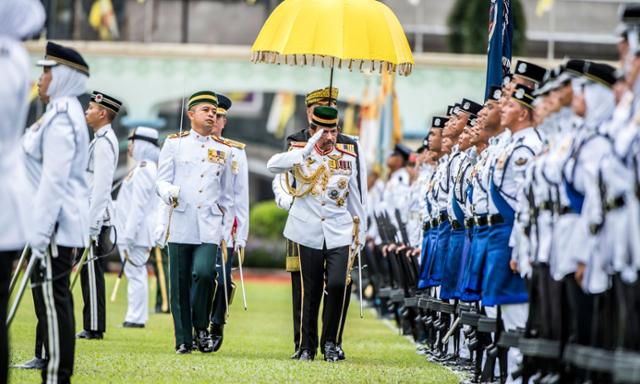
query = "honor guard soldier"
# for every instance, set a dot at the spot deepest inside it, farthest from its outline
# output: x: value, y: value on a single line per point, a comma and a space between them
x: 195, y: 179
x: 135, y: 221
x: 327, y: 198
x: 237, y: 238
x: 103, y: 160
x: 18, y: 20
x: 501, y: 286
x: 56, y: 151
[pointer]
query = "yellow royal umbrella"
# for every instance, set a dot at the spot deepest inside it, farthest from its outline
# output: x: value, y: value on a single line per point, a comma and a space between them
x: 361, y: 34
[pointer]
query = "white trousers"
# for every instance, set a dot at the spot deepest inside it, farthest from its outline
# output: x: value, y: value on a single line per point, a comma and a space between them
x: 137, y: 286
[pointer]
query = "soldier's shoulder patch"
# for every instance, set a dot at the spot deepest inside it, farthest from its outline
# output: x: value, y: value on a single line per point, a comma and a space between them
x: 349, y: 149
x: 235, y: 144
x: 143, y: 164
x: 297, y: 144
x: 221, y: 140
x: 178, y: 134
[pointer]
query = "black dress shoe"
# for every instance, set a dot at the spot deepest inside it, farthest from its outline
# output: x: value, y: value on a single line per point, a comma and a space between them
x: 341, y: 355
x: 89, y: 335
x: 306, y: 355
x: 217, y: 336
x: 183, y: 349
x: 128, y: 324
x: 330, y: 352
x: 35, y: 363
x: 296, y: 355
x: 205, y: 344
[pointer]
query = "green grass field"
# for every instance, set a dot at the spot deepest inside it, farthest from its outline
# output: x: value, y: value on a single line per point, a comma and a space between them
x: 257, y: 347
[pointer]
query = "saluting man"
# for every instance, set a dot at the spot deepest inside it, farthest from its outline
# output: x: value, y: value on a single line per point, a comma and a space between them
x: 135, y: 221
x: 318, y: 97
x: 320, y: 220
x: 195, y: 179
x: 237, y: 238
x: 103, y: 159
x: 56, y: 150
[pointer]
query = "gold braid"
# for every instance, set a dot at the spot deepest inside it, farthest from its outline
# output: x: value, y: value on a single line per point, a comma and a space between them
x: 320, y: 175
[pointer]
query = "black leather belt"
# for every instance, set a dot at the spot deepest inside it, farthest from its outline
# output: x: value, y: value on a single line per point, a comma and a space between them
x: 468, y: 223
x: 546, y: 206
x: 481, y: 219
x: 616, y: 203
x: 455, y: 224
x: 496, y: 219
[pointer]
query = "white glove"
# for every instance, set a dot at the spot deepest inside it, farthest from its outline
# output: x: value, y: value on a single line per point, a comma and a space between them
x: 312, y: 142
x: 240, y: 244
x: 93, y: 233
x: 124, y: 250
x: 159, y: 235
x: 171, y: 194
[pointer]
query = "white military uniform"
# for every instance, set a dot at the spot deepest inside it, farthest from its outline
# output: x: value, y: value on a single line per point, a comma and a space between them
x: 103, y: 159
x: 325, y: 214
x: 200, y: 167
x: 16, y: 80
x: 135, y: 222
x: 240, y: 186
x: 60, y: 136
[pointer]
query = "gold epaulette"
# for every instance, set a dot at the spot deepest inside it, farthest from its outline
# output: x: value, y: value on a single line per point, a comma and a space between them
x: 235, y: 144
x: 221, y: 140
x: 349, y: 149
x: 176, y: 135
x: 297, y: 144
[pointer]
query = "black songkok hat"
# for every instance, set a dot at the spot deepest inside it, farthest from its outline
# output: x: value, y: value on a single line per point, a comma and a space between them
x: 106, y: 101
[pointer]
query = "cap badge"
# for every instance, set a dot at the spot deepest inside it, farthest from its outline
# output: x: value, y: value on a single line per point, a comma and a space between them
x: 519, y: 94
x: 522, y: 68
x: 99, y: 98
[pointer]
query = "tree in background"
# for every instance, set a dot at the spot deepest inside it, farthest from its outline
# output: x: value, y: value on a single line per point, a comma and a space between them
x: 468, y: 26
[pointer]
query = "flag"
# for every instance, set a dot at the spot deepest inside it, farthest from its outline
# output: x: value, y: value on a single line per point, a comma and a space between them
x: 282, y: 109
x: 543, y: 6
x: 369, y: 122
x: 103, y: 19
x: 500, y: 38
x: 349, y: 126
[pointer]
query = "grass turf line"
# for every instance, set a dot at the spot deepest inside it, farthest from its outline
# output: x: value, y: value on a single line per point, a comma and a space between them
x: 256, y: 348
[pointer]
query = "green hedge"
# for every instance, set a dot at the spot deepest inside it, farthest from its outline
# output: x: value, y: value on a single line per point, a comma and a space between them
x: 266, y: 245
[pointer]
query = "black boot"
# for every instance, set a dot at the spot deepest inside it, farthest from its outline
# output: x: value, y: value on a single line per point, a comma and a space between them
x: 217, y: 335
x: 35, y: 363
x: 205, y: 344
x: 331, y: 352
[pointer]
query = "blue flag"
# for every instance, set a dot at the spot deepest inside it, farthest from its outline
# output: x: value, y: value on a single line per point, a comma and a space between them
x: 500, y: 37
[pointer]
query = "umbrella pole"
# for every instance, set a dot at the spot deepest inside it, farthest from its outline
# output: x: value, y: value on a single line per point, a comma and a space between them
x: 331, y: 84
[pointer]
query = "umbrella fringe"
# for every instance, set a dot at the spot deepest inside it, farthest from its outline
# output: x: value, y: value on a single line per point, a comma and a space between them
x: 271, y: 57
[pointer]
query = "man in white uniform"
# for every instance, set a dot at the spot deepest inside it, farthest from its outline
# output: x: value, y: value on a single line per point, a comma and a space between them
x: 103, y: 159
x: 194, y: 178
x: 237, y: 238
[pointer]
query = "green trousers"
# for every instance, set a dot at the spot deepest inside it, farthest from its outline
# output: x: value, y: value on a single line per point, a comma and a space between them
x: 165, y: 265
x: 192, y: 275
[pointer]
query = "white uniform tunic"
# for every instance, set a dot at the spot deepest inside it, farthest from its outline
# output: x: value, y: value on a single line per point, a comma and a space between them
x: 325, y: 215
x: 135, y: 223
x: 103, y: 159
x: 240, y: 187
x: 62, y: 196
x: 15, y: 76
x: 201, y: 167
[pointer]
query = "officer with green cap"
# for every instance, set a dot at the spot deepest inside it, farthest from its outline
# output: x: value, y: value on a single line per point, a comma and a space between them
x: 194, y: 180
x: 324, y: 221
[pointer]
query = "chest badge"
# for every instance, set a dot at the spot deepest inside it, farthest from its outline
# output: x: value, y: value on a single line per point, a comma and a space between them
x: 343, y: 183
x: 216, y: 156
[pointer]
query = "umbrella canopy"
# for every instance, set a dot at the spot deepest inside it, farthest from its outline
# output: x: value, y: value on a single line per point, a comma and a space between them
x: 361, y: 34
